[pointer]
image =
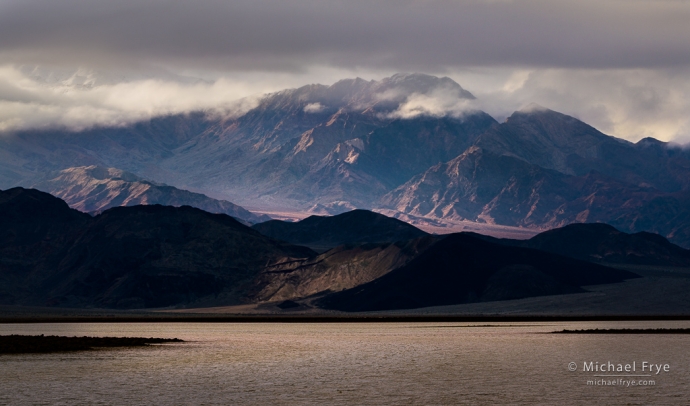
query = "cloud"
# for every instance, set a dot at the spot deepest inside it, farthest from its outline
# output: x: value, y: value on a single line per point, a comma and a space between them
x: 620, y: 65
x: 314, y: 108
x: 77, y: 101
x: 439, y: 102
x: 399, y: 35
x: 627, y: 103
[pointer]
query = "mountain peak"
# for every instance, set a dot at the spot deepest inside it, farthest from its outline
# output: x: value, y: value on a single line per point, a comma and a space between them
x: 422, y: 83
x: 533, y: 108
x: 534, y: 112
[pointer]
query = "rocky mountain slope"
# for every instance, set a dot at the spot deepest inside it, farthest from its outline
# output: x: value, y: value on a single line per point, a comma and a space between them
x: 563, y: 143
x: 543, y: 169
x: 352, y: 141
x: 321, y: 144
x: 27, y: 156
x: 344, y: 267
x: 95, y: 189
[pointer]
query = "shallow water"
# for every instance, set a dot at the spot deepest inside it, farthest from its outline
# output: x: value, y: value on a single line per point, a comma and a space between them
x: 349, y: 363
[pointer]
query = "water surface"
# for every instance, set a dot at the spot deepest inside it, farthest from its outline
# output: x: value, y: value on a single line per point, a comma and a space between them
x: 348, y: 363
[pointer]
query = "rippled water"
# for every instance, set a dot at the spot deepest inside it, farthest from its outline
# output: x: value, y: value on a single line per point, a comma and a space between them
x: 377, y: 364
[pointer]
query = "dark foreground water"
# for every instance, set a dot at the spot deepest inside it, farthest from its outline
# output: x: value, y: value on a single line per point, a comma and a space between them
x: 359, y: 364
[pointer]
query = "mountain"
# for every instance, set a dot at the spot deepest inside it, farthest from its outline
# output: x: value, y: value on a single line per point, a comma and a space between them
x: 667, y: 215
x: 28, y: 155
x: 95, y: 189
x: 36, y: 229
x: 543, y: 169
x: 127, y: 257
x: 349, y: 142
x: 323, y: 144
x: 353, y: 227
x: 462, y: 268
x: 157, y: 256
x: 563, y: 143
x: 480, y: 185
x: 409, y: 143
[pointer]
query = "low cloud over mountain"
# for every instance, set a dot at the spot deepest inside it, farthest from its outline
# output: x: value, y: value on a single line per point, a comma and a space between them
x: 621, y: 66
x: 329, y: 149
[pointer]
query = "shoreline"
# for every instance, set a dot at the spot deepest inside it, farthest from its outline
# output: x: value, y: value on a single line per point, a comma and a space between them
x: 332, y: 319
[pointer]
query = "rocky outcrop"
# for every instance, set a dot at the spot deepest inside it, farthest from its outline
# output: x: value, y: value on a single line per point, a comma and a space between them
x: 341, y: 268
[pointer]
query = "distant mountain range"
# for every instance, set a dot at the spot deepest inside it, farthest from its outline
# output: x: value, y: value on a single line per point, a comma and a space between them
x: 544, y: 169
x: 162, y: 256
x: 371, y: 145
x: 93, y: 189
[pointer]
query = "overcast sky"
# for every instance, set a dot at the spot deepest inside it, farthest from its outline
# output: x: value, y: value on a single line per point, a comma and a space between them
x: 622, y: 66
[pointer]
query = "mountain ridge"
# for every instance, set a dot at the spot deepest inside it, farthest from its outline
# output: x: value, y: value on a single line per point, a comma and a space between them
x: 93, y: 189
x: 352, y: 227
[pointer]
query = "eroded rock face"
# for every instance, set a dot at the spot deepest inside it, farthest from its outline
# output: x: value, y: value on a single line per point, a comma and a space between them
x: 338, y: 269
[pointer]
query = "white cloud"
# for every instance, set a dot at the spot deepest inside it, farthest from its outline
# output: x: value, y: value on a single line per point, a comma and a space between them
x: 439, y: 102
x: 314, y: 108
x: 78, y: 101
x: 621, y: 65
x: 627, y: 103
x: 79, y: 98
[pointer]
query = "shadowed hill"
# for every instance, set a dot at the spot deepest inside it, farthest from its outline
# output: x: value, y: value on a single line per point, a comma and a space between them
x: 337, y: 269
x: 128, y: 257
x: 465, y: 269
x: 604, y: 243
x: 35, y: 231
x: 356, y: 226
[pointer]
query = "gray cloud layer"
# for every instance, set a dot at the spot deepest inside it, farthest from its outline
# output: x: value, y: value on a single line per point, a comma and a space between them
x: 621, y: 65
x: 399, y: 34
